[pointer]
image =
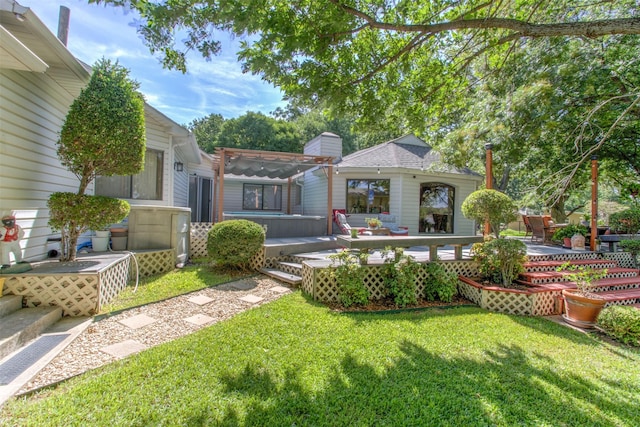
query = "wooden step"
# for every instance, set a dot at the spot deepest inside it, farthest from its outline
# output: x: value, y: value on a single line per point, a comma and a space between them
x: 25, y: 324
x: 604, y: 284
x: 541, y: 277
x: 292, y: 279
x: 290, y: 267
x: 552, y: 265
x: 621, y: 295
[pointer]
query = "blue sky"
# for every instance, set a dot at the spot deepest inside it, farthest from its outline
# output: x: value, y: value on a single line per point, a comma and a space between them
x: 218, y: 86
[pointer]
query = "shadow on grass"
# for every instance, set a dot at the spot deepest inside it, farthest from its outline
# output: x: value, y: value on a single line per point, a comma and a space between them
x: 423, y: 388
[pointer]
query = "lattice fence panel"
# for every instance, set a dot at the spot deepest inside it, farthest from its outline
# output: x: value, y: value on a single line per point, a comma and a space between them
x: 155, y: 262
x: 421, y: 281
x: 325, y: 288
x: 623, y: 259
x: 506, y: 302
x: 258, y: 260
x: 274, y: 262
x: 76, y: 295
x: 546, y: 303
x: 308, y: 273
x: 374, y: 283
x: 461, y: 268
x: 471, y: 293
x: 289, y: 268
x: 199, y: 233
x: 623, y: 302
x: 113, y: 280
x: 567, y: 256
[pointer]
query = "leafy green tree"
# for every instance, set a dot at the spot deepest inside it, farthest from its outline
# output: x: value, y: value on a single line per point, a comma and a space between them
x: 257, y: 131
x: 206, y: 130
x: 103, y: 134
x: 393, y: 62
x: 490, y: 206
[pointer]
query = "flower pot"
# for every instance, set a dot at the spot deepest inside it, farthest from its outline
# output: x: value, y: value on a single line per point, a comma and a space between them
x: 581, y: 311
x: 577, y: 242
x: 102, y: 233
x: 100, y: 244
x: 566, y: 242
x: 354, y: 233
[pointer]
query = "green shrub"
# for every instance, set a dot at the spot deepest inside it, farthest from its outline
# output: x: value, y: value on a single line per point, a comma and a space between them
x: 347, y: 271
x: 621, y: 323
x: 569, y: 231
x: 233, y: 243
x: 492, y: 206
x: 500, y: 260
x: 440, y: 284
x: 633, y: 247
x: 399, y: 276
x: 625, y: 222
x: 73, y: 214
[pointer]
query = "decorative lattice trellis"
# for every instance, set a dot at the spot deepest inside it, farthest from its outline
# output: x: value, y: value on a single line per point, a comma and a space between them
x: 546, y: 303
x: 258, y: 260
x: 113, y: 280
x: 506, y: 302
x: 199, y: 233
x: 472, y: 293
x: 623, y: 259
x: 566, y: 256
x: 155, y: 262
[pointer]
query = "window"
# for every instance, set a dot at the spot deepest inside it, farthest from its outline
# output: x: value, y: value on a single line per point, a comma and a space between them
x: 146, y: 185
x: 368, y: 195
x: 436, y: 208
x: 262, y: 197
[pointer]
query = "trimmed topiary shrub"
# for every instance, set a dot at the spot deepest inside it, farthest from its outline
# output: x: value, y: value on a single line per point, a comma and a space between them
x: 625, y: 222
x: 621, y: 323
x: 72, y: 214
x: 492, y: 206
x: 633, y: 247
x: 233, y: 243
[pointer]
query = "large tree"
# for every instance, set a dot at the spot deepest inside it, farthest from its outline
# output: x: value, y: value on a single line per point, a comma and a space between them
x: 390, y: 61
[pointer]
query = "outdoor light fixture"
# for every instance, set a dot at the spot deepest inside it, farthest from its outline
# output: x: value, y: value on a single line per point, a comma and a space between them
x: 178, y: 166
x: 337, y: 170
x: 378, y: 171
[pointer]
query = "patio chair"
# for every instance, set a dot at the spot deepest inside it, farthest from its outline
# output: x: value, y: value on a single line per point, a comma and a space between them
x: 541, y: 228
x: 527, y: 225
x: 343, y: 225
x: 389, y: 221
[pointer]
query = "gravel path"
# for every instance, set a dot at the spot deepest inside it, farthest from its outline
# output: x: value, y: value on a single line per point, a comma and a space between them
x: 170, y: 319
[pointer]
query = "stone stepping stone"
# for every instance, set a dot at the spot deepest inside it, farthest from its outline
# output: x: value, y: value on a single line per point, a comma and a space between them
x: 137, y: 322
x: 280, y: 289
x: 199, y: 319
x: 200, y: 300
x: 124, y: 349
x: 243, y: 286
x: 251, y: 298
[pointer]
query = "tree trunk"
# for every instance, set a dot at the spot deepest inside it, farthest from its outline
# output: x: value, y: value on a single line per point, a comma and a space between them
x: 557, y: 211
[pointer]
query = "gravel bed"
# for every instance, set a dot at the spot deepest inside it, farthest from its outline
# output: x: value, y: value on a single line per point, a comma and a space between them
x: 85, y: 352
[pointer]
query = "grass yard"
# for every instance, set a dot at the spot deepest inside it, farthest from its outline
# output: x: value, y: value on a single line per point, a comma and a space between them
x: 178, y: 282
x: 295, y: 362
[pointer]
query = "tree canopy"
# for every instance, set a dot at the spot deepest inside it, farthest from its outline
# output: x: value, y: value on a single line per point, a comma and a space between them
x: 392, y: 61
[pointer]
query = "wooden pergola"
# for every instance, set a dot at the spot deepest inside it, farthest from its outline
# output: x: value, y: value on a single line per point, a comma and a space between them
x: 269, y: 164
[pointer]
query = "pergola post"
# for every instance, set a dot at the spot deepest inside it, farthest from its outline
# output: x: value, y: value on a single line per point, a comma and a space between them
x: 594, y: 202
x: 488, y: 179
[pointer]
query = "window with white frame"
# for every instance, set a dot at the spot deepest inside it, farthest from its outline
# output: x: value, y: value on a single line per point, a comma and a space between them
x: 369, y: 196
x: 146, y: 185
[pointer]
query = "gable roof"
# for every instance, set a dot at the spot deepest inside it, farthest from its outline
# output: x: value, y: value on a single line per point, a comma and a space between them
x: 406, y: 152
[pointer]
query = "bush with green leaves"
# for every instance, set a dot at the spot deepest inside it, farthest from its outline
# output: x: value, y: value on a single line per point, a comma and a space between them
x: 232, y: 243
x: 103, y: 135
x: 73, y: 214
x: 625, y: 222
x: 439, y: 284
x: 621, y: 323
x: 347, y: 271
x: 492, y: 206
x: 500, y: 260
x: 633, y: 247
x: 569, y: 231
x: 399, y: 274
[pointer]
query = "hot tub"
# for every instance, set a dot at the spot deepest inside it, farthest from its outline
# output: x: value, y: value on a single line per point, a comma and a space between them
x: 279, y: 224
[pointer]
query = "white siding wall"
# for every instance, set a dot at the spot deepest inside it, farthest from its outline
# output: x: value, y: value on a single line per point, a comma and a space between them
x: 33, y: 108
x: 180, y: 182
x: 315, y: 192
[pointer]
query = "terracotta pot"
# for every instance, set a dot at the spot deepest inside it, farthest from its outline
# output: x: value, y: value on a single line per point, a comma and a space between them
x: 567, y: 242
x: 581, y: 311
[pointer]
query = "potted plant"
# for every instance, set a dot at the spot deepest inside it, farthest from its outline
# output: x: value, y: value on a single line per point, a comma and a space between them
x: 373, y: 222
x: 582, y: 306
x: 565, y: 234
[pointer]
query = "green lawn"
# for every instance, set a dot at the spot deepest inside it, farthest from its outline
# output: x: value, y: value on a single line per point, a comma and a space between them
x: 294, y: 362
x: 160, y: 287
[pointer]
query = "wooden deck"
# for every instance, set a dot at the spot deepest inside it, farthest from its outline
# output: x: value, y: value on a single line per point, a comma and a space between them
x: 432, y: 242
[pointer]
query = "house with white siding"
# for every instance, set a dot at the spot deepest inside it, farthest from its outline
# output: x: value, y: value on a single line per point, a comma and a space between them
x: 39, y: 79
x: 404, y: 177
